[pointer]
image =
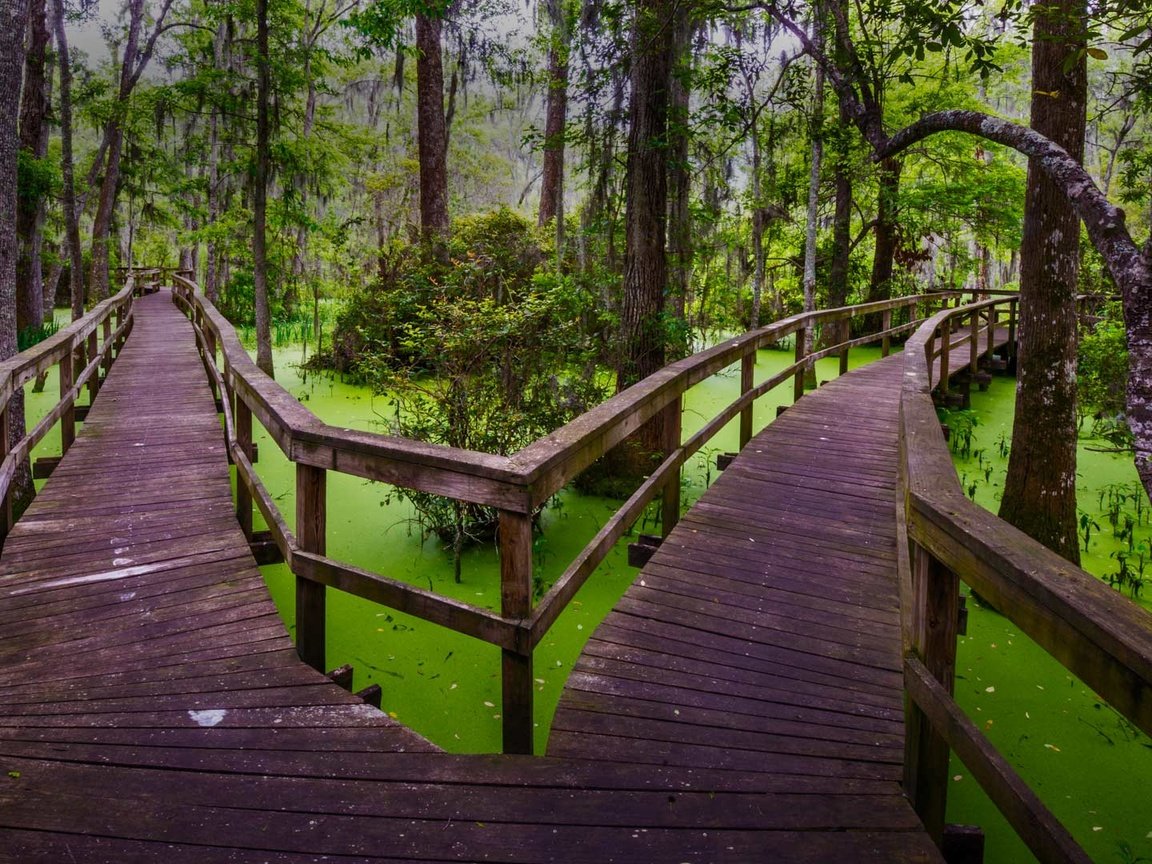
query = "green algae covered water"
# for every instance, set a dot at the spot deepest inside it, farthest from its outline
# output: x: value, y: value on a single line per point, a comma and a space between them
x: 444, y: 685
x: 1088, y: 764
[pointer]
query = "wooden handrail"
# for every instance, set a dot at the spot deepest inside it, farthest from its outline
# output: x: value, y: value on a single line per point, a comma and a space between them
x: 1092, y: 630
x: 77, y: 350
x: 515, y: 485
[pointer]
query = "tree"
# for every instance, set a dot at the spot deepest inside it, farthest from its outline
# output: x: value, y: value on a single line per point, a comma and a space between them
x: 68, y: 198
x: 33, y: 148
x: 431, y: 126
x: 1040, y: 489
x: 646, y: 269
x: 556, y: 118
x: 1129, y: 265
x: 133, y: 63
x: 13, y: 21
x: 262, y: 159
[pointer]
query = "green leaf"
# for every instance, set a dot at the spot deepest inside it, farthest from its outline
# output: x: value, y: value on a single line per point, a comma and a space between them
x: 1098, y: 53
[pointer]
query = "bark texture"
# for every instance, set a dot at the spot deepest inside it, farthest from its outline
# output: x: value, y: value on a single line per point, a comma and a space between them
x: 13, y: 21
x: 646, y: 266
x: 34, y: 143
x: 260, y: 196
x: 67, y: 166
x: 555, y: 120
x: 431, y: 127
x: 1040, y: 488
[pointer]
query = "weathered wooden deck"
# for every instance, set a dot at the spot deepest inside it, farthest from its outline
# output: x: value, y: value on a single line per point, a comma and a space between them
x: 742, y: 703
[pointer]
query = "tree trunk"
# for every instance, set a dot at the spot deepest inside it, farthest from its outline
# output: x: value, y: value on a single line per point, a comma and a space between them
x: 759, y: 213
x: 555, y: 121
x: 680, y: 178
x: 431, y: 128
x: 885, y: 236
x: 1040, y: 488
x: 212, y: 252
x: 646, y: 268
x: 13, y: 21
x: 134, y: 61
x: 817, y: 157
x: 260, y: 196
x: 841, y: 246
x: 34, y: 142
x: 75, y: 254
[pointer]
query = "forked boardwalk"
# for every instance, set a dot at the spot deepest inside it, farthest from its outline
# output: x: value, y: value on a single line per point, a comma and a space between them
x: 743, y: 702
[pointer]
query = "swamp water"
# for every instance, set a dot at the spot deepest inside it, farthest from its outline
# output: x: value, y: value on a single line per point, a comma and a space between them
x: 1088, y: 764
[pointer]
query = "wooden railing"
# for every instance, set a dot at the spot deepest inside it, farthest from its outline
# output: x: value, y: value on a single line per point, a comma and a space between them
x: 1091, y: 629
x: 517, y: 486
x: 83, y: 351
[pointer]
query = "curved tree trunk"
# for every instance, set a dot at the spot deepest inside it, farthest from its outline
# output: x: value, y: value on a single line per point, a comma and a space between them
x: 1040, y: 489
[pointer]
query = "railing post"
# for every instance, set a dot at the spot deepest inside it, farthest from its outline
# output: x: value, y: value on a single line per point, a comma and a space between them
x: 935, y: 610
x: 1010, y: 350
x: 94, y: 381
x: 6, y: 518
x: 798, y: 383
x: 106, y: 329
x: 516, y: 604
x: 974, y: 343
x: 747, y: 379
x: 945, y: 351
x: 68, y: 418
x: 242, y: 417
x: 885, y: 326
x: 670, y: 514
x: 311, y: 518
x: 993, y: 318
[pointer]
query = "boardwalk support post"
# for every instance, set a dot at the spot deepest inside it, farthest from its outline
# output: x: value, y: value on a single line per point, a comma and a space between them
x: 68, y: 417
x: 670, y: 514
x: 747, y: 378
x: 798, y: 384
x: 974, y: 343
x: 935, y: 610
x: 885, y: 326
x: 945, y: 353
x: 311, y: 519
x: 242, y: 417
x: 516, y: 602
x: 6, y: 518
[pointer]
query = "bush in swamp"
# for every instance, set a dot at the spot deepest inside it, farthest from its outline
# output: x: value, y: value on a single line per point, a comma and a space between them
x: 479, y: 343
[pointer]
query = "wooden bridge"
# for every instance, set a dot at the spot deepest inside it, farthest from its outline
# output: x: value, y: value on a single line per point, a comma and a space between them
x: 774, y: 686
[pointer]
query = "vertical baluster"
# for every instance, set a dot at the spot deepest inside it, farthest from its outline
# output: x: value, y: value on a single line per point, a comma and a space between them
x: 68, y: 418
x: 6, y: 519
x: 1010, y: 350
x: 945, y: 352
x: 885, y: 326
x: 747, y: 379
x: 936, y: 608
x: 798, y: 382
x: 974, y: 343
x: 516, y: 604
x: 106, y: 331
x: 242, y: 417
x: 94, y: 381
x: 670, y: 513
x: 993, y: 319
x: 311, y: 518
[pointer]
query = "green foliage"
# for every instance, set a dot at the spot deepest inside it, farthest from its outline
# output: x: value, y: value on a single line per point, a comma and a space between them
x: 1102, y: 373
x: 478, y: 344
x: 36, y: 179
x: 30, y: 336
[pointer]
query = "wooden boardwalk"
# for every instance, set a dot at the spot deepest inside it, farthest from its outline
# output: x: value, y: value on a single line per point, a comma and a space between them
x: 742, y: 703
